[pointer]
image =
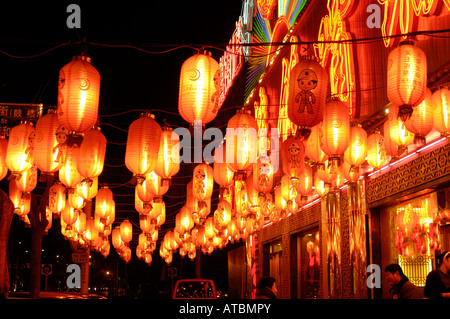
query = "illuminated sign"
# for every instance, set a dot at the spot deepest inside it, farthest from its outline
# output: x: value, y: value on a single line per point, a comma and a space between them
x: 11, y: 114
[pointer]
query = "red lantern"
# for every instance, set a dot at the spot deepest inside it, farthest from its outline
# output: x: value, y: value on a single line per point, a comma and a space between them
x: 398, y: 132
x: 222, y: 216
x: 389, y: 145
x: 292, y: 156
x: 126, y: 231
x: 406, y: 77
x: 91, y: 155
x: 199, y: 89
x: 104, y: 203
x: 312, y: 146
x: 305, y: 183
x: 45, y: 152
x: 168, y: 162
x: 335, y: 131
x: 143, y: 199
x: 322, y: 188
x: 441, y: 114
x: 19, y: 153
x: 28, y: 180
x: 262, y: 176
x: 420, y: 123
x: 223, y: 174
x: 144, y: 138
x: 307, y: 93
x: 242, y: 142
x: 57, y: 198
x: 78, y: 95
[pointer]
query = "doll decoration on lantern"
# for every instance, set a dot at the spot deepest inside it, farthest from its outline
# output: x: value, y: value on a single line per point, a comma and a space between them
x: 200, y: 181
x: 307, y: 81
x: 264, y: 174
x: 295, y: 160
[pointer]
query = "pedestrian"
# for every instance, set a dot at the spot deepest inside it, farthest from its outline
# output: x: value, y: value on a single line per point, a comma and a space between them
x: 267, y: 288
x: 437, y: 285
x: 401, y: 287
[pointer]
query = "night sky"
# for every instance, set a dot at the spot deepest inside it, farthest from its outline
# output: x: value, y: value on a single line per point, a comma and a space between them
x: 130, y: 80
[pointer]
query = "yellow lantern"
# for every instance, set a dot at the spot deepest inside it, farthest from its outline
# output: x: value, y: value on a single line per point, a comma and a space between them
x: 356, y: 152
x: 292, y: 156
x: 91, y: 155
x: 441, y: 114
x: 168, y: 162
x: 335, y: 131
x: 199, y: 89
x: 203, y: 182
x: 68, y: 173
x: 307, y: 93
x: 57, y: 198
x: 376, y: 153
x: 78, y: 95
x: 3, y: 148
x: 406, y: 77
x: 143, y: 141
x: 242, y: 142
x: 126, y: 231
x: 398, y: 132
x: 46, y: 155
x: 19, y: 153
x: 420, y: 123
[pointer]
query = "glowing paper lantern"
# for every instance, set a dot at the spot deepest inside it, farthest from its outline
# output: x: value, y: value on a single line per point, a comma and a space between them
x: 305, y: 183
x: 69, y: 215
x: 441, y: 114
x: 104, y: 203
x: 389, y: 145
x: 143, y: 141
x: 168, y: 162
x: 420, y: 123
x: 320, y: 186
x: 203, y: 182
x: 242, y: 142
x: 406, y: 77
x: 312, y: 146
x: 28, y: 180
x: 45, y: 152
x: 57, y: 198
x: 91, y: 155
x: 126, y: 231
x: 183, y: 220
x: 356, y: 152
x: 335, y: 131
x: 307, y: 94
x: 376, y: 153
x: 262, y: 176
x: 86, y: 190
x: 292, y: 156
x: 199, y: 89
x: 222, y: 215
x: 398, y: 132
x: 19, y: 153
x: 156, y: 185
x: 223, y: 174
x: 143, y: 207
x: 68, y: 173
x: 78, y: 95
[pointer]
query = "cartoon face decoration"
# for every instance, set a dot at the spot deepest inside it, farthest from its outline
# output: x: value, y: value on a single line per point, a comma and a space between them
x: 264, y: 169
x: 307, y: 80
x: 61, y: 135
x: 200, y: 175
x: 294, y: 149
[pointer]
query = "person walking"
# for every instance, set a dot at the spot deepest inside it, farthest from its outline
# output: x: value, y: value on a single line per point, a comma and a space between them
x: 437, y: 285
x: 401, y: 287
x: 267, y: 288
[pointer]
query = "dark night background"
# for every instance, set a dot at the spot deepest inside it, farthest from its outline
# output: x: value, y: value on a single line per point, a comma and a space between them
x: 130, y: 80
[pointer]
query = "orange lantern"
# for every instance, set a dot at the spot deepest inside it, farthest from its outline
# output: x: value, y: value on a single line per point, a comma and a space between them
x: 398, y: 132
x: 104, y: 203
x: 3, y: 148
x: 145, y: 223
x: 356, y: 152
x: 312, y: 146
x: 262, y: 176
x: 126, y: 231
x: 91, y: 155
x: 68, y: 173
x: 406, y: 77
x: 28, y: 180
x: 420, y: 123
x: 158, y: 212
x: 91, y: 233
x: 292, y: 156
x: 76, y: 201
x: 69, y: 215
x: 78, y: 95
x: 350, y: 173
x: 144, y: 194
x: 19, y: 153
x: 320, y: 186
x: 335, y: 131
x: 441, y: 114
x: 15, y: 195
x: 307, y: 93
x: 199, y: 89
x: 222, y: 215
x: 168, y: 162
x: 117, y: 239
x: 143, y: 141
x: 155, y: 185
x: 389, y: 145
x: 326, y: 172
x: 376, y: 153
x: 203, y: 182
x: 183, y: 220
x: 242, y: 142
x: 305, y: 183
x: 223, y: 174
x: 46, y: 155
x: 57, y: 198
x: 88, y: 192
x: 142, y: 207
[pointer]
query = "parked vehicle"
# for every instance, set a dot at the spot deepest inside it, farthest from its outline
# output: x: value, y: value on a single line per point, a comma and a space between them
x: 194, y: 289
